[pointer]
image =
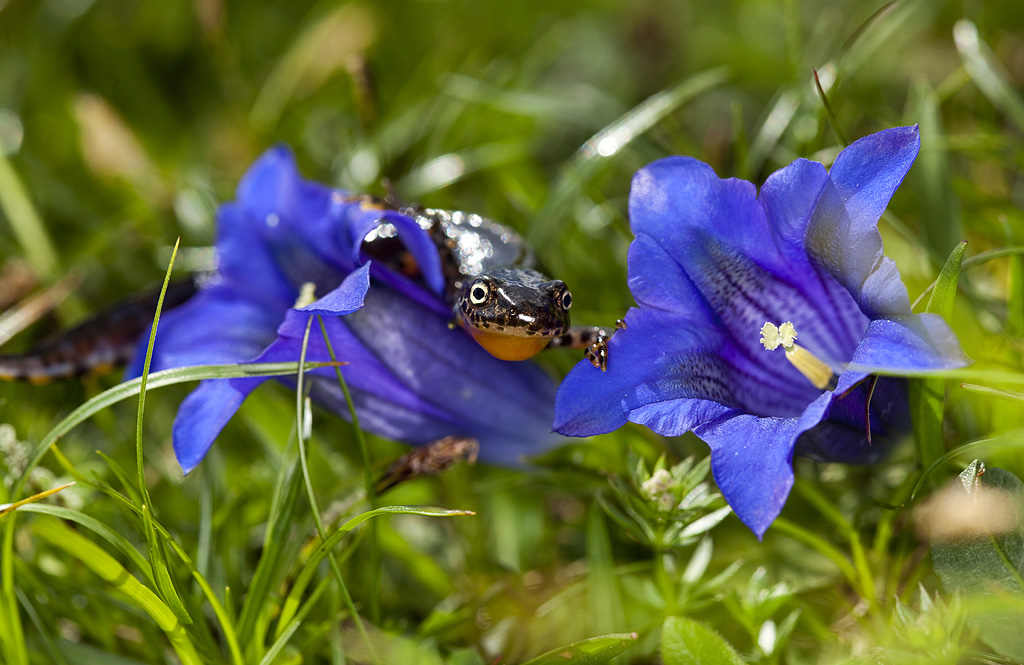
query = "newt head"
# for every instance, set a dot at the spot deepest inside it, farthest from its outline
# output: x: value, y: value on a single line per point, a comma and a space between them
x: 513, y: 313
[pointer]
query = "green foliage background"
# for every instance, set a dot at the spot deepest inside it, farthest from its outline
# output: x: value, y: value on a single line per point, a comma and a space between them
x: 123, y: 124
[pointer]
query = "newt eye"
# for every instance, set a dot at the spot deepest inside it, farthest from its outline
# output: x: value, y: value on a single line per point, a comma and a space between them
x: 566, y: 300
x: 478, y: 293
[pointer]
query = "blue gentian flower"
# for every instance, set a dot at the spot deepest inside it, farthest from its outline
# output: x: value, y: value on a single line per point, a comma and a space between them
x: 713, y: 262
x: 412, y: 378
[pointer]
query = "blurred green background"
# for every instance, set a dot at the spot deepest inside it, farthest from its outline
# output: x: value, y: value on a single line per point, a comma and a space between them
x: 123, y: 124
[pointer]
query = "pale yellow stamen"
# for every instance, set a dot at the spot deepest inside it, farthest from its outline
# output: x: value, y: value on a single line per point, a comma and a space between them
x: 307, y: 295
x: 817, y: 372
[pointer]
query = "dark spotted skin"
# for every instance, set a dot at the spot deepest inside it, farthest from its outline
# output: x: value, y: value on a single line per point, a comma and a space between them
x: 103, y: 341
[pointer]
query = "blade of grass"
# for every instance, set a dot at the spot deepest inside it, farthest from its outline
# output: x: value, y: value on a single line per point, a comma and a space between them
x: 291, y: 604
x: 825, y: 506
x: 118, y: 541
x: 368, y: 480
x: 819, y: 545
x: 987, y: 73
x: 940, y: 207
x: 129, y: 389
x: 587, y: 652
x: 320, y: 49
x: 285, y: 632
x: 993, y: 392
x: 833, y: 121
x: 10, y: 507
x: 56, y: 657
x: 972, y: 262
x: 157, y: 559
x: 283, y: 511
x: 10, y: 626
x: 100, y: 562
x: 927, y: 395
x: 301, y: 412
x: 604, y: 601
x: 25, y: 222
x: 1012, y: 440
x: 610, y: 141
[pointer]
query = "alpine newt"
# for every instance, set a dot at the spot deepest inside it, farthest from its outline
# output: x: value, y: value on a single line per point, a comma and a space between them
x: 496, y: 294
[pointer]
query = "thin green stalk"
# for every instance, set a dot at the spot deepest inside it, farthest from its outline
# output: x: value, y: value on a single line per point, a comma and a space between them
x: 818, y: 544
x: 884, y: 531
x: 865, y: 579
x: 25, y: 222
x: 145, y: 375
x: 662, y: 579
x: 368, y: 480
x: 304, y: 463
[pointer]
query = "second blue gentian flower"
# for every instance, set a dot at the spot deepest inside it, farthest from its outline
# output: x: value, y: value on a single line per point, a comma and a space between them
x: 724, y: 276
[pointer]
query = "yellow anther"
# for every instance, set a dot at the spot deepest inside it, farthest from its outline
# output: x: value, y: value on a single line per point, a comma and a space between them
x: 817, y: 372
x: 307, y: 295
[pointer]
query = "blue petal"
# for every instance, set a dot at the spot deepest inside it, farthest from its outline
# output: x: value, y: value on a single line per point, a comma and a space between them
x: 347, y: 298
x: 867, y: 173
x: 416, y: 240
x: 674, y: 376
x: 752, y: 460
x: 676, y: 198
x: 278, y: 198
x: 843, y: 235
x: 841, y: 436
x: 215, y: 326
x: 917, y: 342
x: 733, y: 270
x: 789, y: 198
x: 416, y: 380
x: 448, y: 369
x: 203, y: 414
x: 245, y: 259
x: 294, y: 227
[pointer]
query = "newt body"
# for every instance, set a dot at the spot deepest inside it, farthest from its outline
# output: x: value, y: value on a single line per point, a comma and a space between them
x: 506, y: 305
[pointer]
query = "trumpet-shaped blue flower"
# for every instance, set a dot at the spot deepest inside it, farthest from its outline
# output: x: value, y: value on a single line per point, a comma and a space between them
x: 713, y: 262
x: 412, y: 378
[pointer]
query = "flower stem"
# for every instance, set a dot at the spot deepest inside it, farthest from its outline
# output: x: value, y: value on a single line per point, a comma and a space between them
x: 662, y: 578
x: 371, y: 491
x: 818, y: 544
x: 864, y: 580
x: 321, y: 530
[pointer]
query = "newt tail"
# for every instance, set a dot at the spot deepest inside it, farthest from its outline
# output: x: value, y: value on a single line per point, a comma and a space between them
x: 105, y: 340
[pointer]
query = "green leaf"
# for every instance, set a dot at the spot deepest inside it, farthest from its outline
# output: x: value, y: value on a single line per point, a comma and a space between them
x: 927, y: 396
x: 944, y: 293
x: 688, y: 642
x: 587, y: 652
x: 988, y: 567
x: 100, y: 562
